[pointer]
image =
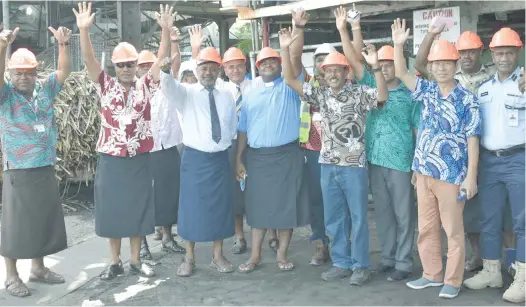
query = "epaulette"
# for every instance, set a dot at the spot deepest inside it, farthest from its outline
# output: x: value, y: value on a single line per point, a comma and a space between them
x: 487, y: 80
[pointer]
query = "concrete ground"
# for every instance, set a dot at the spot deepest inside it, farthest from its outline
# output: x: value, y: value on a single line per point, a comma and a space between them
x: 82, y: 263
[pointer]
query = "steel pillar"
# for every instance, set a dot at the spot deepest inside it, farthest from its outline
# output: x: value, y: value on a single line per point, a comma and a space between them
x: 129, y: 21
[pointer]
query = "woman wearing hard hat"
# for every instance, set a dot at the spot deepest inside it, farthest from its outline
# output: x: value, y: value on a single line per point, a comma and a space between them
x: 502, y: 164
x: 32, y: 224
x: 124, y: 205
x: 446, y: 172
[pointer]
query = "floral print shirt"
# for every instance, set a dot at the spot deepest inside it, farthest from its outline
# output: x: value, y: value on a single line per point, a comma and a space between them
x: 125, y: 116
x: 342, y: 121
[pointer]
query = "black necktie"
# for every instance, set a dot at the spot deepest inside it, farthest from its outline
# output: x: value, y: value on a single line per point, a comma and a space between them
x: 214, y: 117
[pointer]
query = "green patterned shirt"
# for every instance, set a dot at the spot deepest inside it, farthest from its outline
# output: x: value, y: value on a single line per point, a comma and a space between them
x: 389, y: 132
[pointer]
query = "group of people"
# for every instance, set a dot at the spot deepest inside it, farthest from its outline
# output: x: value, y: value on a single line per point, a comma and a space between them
x: 178, y: 145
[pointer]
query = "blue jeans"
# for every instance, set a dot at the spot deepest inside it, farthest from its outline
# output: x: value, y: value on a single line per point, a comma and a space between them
x: 500, y: 179
x: 312, y: 173
x: 345, y: 192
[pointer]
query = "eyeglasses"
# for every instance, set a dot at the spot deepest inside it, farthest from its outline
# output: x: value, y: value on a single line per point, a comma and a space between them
x: 127, y: 64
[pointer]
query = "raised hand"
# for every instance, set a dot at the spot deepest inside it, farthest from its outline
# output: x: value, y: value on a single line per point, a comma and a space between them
x: 353, y: 16
x: 300, y: 17
x: 166, y: 63
x: 84, y: 15
x: 62, y: 34
x: 341, y: 18
x: 436, y: 26
x: 399, y: 31
x: 175, y: 34
x: 370, y: 55
x: 7, y: 37
x: 166, y: 16
x: 196, y: 36
x: 285, y: 38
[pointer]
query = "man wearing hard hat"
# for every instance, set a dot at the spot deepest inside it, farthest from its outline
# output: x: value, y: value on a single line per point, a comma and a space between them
x: 310, y: 137
x: 275, y: 197
x: 124, y: 205
x: 502, y: 164
x: 445, y: 162
x: 343, y: 163
x: 390, y: 139
x: 471, y: 73
x: 32, y: 218
x: 206, y: 211
x: 165, y: 158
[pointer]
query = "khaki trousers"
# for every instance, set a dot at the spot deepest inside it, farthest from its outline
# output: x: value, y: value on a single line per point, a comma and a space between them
x: 437, y: 204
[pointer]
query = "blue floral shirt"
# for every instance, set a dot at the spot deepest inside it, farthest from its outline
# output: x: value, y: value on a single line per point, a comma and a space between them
x: 28, y: 129
x: 446, y: 124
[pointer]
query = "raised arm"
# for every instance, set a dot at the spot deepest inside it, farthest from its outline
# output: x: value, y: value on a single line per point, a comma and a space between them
x: 425, y: 47
x: 175, y: 54
x: 196, y: 39
x: 165, y: 19
x: 299, y: 20
x: 348, y: 49
x: 285, y: 41
x: 400, y: 35
x: 6, y: 38
x: 62, y: 35
x: 372, y: 59
x: 84, y: 20
x: 357, y: 39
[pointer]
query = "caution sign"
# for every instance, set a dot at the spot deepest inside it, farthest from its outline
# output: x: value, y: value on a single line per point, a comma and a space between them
x: 450, y: 16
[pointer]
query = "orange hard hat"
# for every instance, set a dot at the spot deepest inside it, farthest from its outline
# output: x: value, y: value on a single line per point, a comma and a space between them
x: 124, y: 52
x: 22, y: 59
x: 442, y: 50
x: 267, y: 53
x: 386, y: 53
x: 233, y: 54
x: 468, y: 40
x: 335, y: 58
x: 209, y: 54
x: 146, y: 56
x: 506, y: 37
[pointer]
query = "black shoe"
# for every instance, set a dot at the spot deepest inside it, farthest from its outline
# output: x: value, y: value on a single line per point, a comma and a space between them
x: 172, y: 247
x: 398, y: 275
x: 112, y: 271
x: 142, y: 269
x: 385, y: 268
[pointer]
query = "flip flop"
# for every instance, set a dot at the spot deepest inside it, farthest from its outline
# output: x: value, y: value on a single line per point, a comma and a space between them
x: 49, y: 277
x: 248, y: 267
x: 285, y: 265
x: 186, y: 268
x: 16, y: 287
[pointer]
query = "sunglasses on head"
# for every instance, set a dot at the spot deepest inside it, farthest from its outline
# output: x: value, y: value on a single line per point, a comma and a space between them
x: 127, y: 64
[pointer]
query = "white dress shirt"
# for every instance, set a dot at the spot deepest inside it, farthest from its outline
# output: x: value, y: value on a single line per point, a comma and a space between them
x: 503, y: 112
x: 191, y: 100
x: 166, y: 126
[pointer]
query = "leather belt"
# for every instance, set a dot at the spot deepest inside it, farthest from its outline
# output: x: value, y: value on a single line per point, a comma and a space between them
x: 506, y: 152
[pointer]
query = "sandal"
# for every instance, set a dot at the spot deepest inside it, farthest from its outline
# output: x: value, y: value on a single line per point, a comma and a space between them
x: 157, y: 236
x: 16, y: 287
x: 186, y: 268
x: 49, y: 277
x: 143, y: 269
x: 274, y: 244
x: 222, y: 265
x: 145, y: 253
x: 248, y: 267
x: 172, y: 247
x: 112, y: 271
x: 240, y: 246
x: 285, y: 265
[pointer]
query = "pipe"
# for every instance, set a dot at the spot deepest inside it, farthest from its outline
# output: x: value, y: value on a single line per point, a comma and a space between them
x: 7, y: 24
x: 252, y: 56
x: 265, y: 28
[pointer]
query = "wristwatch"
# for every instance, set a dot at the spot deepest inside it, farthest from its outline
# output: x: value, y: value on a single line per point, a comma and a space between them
x: 379, y: 69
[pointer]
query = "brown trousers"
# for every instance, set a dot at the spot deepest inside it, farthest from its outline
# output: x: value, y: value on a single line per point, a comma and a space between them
x: 437, y: 204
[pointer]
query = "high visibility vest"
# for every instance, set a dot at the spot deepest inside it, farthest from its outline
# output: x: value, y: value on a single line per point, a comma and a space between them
x: 305, y: 116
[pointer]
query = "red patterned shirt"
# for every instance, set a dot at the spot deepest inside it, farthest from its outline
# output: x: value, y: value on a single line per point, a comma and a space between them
x: 125, y: 116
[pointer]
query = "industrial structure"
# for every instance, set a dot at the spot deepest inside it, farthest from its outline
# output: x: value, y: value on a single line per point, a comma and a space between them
x: 134, y: 21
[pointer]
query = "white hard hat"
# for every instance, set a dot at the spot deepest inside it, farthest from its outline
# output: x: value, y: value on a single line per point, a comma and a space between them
x: 187, y: 66
x: 325, y: 48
